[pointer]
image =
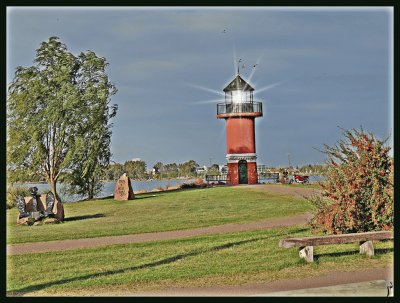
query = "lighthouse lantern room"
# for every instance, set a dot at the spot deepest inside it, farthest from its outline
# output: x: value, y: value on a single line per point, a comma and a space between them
x: 239, y: 111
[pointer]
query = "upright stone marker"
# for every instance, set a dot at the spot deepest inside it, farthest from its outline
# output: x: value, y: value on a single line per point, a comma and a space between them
x: 123, y: 189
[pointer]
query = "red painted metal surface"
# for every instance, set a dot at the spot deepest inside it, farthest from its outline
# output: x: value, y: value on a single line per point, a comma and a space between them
x: 240, y: 136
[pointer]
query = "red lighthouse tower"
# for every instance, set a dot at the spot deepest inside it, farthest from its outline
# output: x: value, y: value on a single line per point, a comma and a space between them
x: 239, y: 112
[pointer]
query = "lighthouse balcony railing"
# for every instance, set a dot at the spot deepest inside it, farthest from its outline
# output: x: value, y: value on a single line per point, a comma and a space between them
x: 245, y: 107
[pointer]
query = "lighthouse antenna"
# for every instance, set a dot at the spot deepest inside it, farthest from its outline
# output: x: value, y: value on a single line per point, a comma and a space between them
x: 238, y: 65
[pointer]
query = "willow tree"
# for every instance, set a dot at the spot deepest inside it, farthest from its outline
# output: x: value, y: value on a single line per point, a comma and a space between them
x: 58, y: 115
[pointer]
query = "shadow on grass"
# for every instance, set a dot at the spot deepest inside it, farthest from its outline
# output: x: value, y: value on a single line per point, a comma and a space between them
x: 352, y: 253
x: 138, y: 197
x: 37, y: 287
x: 104, y: 198
x: 84, y: 217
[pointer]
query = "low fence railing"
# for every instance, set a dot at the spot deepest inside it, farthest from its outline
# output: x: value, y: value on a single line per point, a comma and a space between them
x: 261, y: 176
x: 246, y: 107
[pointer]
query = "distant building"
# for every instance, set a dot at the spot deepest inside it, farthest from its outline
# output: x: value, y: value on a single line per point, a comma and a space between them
x: 223, y: 169
x: 261, y: 168
x: 201, y: 169
x: 136, y: 159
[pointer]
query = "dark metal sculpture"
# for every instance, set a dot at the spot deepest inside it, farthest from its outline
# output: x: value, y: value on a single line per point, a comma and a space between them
x: 33, y: 191
x: 21, y: 207
x: 35, y: 214
x: 49, y: 205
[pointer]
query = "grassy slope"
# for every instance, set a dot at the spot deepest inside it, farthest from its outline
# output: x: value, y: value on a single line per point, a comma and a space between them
x: 159, y: 212
x: 225, y: 259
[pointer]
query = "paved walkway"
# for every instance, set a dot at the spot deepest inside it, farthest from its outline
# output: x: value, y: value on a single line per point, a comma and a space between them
x: 297, y: 191
x: 38, y: 247
x: 368, y: 282
x: 376, y: 288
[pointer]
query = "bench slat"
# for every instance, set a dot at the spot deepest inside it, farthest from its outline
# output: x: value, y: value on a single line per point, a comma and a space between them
x: 336, y: 239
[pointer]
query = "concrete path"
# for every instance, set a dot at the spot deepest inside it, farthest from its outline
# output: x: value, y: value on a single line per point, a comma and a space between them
x: 62, y: 245
x: 369, y: 282
x: 376, y: 288
x: 297, y: 191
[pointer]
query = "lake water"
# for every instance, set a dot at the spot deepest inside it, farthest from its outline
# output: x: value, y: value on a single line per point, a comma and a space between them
x: 316, y: 178
x: 311, y: 178
x: 108, y: 188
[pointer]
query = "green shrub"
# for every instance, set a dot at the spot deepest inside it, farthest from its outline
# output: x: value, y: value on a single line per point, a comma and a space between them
x: 358, y: 188
x: 13, y: 192
x: 188, y: 185
x: 193, y: 185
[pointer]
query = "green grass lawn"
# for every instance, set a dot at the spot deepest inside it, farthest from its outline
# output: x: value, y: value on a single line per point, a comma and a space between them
x: 223, y: 259
x: 157, y: 212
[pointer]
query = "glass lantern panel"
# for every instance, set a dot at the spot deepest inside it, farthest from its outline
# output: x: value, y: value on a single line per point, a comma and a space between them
x: 228, y: 97
x: 237, y: 96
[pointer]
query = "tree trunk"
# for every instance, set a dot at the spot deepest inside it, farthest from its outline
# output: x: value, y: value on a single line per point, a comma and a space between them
x: 53, y: 187
x: 90, y: 193
x: 90, y: 188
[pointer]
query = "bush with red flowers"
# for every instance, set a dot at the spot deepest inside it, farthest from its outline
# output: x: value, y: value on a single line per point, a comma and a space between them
x: 358, y: 188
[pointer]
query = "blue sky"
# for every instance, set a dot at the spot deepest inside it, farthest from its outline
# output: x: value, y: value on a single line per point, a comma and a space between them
x: 318, y: 68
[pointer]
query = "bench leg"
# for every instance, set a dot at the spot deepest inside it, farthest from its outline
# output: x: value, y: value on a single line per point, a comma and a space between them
x: 307, y: 253
x: 367, y: 248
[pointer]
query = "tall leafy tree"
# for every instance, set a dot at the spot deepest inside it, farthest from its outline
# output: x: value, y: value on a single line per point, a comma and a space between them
x: 214, y: 169
x: 58, y: 116
x: 135, y: 169
x: 188, y: 168
x: 171, y: 170
x: 159, y: 166
x: 114, y: 171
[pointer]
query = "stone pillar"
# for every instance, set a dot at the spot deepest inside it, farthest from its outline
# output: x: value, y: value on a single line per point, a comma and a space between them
x: 58, y: 210
x: 123, y: 189
x: 367, y: 248
x: 307, y: 253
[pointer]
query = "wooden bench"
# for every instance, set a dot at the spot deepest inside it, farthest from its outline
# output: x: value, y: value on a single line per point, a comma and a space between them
x: 306, y: 245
